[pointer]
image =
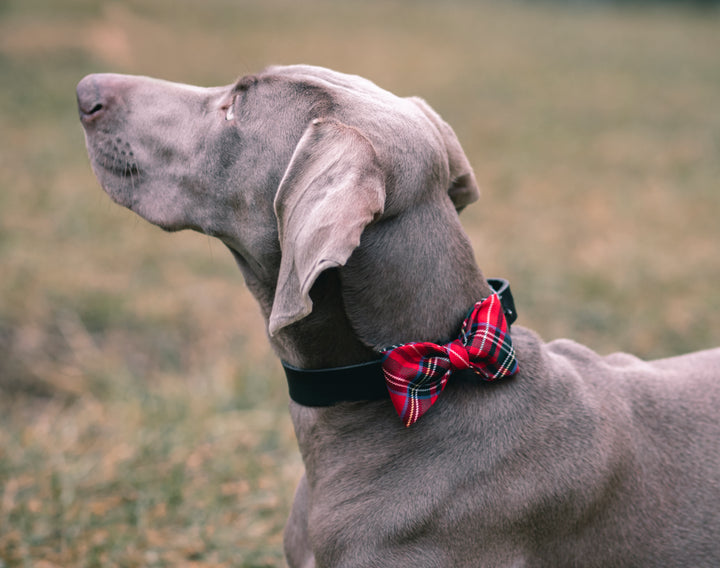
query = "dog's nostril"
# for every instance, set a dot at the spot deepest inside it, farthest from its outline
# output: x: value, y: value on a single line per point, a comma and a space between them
x: 89, y: 106
x: 89, y: 109
x: 91, y: 97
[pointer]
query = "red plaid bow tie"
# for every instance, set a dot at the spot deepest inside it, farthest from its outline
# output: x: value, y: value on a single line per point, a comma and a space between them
x: 416, y: 373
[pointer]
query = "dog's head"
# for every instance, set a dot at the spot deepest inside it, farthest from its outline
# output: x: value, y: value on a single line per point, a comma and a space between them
x: 291, y: 168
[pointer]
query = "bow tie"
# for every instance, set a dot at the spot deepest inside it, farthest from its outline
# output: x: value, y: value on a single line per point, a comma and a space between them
x: 413, y: 375
x: 416, y: 373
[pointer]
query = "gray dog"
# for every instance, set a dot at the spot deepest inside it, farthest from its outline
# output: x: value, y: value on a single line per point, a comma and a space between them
x: 339, y: 203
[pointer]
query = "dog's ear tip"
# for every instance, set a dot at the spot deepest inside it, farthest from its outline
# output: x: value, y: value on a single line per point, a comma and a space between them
x: 276, y: 322
x: 464, y: 190
x: 274, y: 326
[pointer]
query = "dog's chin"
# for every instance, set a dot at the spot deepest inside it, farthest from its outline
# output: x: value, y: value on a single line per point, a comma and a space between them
x: 119, y: 187
x: 135, y: 195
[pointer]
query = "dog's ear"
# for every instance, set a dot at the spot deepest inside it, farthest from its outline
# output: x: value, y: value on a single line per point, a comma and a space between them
x: 332, y: 188
x: 463, y: 188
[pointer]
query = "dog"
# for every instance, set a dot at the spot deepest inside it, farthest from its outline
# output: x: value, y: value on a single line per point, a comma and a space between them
x: 339, y: 202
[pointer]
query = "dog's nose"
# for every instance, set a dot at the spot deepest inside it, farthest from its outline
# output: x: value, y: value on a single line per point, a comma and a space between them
x: 89, y: 97
x: 94, y: 96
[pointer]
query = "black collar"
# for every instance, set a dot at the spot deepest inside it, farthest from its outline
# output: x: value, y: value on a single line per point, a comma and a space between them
x: 363, y: 382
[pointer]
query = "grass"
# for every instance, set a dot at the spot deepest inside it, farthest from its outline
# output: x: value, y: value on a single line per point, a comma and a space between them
x: 142, y: 415
x: 145, y: 477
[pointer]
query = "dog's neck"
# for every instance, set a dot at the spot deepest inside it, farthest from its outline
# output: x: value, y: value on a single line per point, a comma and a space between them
x: 388, y: 293
x: 397, y: 289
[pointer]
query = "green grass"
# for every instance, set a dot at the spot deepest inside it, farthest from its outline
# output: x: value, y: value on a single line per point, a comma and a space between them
x: 143, y: 417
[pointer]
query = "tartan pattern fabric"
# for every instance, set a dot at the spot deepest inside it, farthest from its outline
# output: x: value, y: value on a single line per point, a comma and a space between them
x: 416, y: 373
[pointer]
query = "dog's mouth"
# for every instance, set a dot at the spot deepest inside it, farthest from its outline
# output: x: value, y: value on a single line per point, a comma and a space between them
x: 116, y: 166
x: 119, y: 177
x: 124, y: 168
x: 131, y: 186
x: 116, y: 156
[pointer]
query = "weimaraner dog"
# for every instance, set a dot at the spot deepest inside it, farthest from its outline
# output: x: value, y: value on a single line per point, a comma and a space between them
x: 339, y: 202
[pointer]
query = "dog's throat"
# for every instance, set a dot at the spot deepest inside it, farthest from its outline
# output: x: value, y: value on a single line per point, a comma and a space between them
x: 366, y: 381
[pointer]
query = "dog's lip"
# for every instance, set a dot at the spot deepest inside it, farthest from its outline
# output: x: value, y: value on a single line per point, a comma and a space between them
x: 119, y: 177
x: 119, y: 167
x: 114, y: 155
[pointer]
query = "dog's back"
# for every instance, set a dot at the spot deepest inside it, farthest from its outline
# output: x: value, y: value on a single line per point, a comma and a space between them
x: 664, y: 416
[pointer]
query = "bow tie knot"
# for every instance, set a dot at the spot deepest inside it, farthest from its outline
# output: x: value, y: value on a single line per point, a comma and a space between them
x: 416, y: 373
x: 458, y: 356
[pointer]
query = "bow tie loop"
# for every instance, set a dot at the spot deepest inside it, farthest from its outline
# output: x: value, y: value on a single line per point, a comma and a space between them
x: 416, y: 373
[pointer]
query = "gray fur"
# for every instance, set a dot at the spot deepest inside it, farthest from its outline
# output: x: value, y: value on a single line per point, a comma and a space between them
x: 339, y: 203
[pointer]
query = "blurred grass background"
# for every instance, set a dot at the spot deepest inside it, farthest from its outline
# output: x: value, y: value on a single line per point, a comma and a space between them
x: 142, y: 415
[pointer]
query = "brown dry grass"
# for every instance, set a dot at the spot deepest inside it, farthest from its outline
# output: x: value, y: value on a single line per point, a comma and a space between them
x: 142, y: 415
